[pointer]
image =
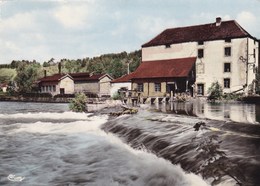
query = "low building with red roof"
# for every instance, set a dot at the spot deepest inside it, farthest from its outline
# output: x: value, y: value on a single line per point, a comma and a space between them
x: 57, y: 84
x: 94, y: 84
x: 4, y: 86
x: 122, y: 83
x: 98, y: 84
x: 163, y: 78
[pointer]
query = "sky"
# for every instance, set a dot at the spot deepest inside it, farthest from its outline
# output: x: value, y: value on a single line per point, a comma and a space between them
x: 74, y: 29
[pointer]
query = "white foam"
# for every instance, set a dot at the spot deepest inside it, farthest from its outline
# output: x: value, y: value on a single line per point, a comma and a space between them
x: 91, y: 125
x: 150, y: 169
x: 47, y: 115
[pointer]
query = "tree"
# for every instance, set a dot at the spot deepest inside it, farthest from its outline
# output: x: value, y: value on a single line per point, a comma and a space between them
x: 117, y: 68
x: 45, y: 64
x: 78, y: 104
x: 26, y: 76
x: 215, y: 91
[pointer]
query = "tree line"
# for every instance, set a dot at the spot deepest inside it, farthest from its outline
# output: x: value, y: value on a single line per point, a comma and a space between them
x: 28, y: 72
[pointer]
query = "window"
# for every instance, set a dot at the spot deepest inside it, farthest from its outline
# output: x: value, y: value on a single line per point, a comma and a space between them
x: 200, y: 53
x: 54, y: 88
x: 200, y: 42
x: 228, y: 40
x: 226, y: 83
x: 167, y: 46
x: 227, y: 67
x: 157, y: 87
x: 227, y: 51
x: 200, y: 88
x: 200, y: 68
x: 140, y: 87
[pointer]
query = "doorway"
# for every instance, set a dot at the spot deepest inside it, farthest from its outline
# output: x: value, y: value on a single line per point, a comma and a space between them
x: 62, y: 91
x: 171, y: 88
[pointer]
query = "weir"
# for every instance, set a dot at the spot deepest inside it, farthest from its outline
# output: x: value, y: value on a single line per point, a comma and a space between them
x: 173, y: 137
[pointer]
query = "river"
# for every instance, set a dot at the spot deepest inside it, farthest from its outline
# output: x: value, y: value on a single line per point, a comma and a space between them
x: 46, y: 144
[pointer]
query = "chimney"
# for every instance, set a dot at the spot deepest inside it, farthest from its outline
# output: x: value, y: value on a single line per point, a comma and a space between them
x: 45, y: 73
x: 59, y: 66
x: 218, y: 21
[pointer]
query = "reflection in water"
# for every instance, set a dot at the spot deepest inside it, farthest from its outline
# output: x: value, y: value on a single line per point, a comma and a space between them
x: 237, y: 112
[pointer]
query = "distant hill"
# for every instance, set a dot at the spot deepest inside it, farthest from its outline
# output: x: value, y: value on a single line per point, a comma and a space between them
x: 114, y: 64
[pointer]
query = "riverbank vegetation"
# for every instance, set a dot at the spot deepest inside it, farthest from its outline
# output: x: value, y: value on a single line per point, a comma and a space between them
x: 78, y: 104
x: 215, y: 93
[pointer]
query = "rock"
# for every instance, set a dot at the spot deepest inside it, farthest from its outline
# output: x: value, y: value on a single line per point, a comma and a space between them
x: 198, y: 125
x: 126, y: 110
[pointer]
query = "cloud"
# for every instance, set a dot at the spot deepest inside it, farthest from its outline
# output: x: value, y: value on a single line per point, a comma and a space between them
x: 148, y: 26
x: 73, y: 15
x: 21, y: 21
x: 248, y: 21
x: 246, y: 18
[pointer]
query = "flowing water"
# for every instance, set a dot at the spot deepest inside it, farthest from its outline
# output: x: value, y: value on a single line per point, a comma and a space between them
x: 45, y: 144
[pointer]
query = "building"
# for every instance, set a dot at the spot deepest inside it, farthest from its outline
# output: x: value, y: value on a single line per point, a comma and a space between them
x: 224, y: 51
x: 57, y: 84
x: 97, y: 84
x: 92, y: 84
x: 3, y: 86
x: 164, y: 78
x: 122, y: 83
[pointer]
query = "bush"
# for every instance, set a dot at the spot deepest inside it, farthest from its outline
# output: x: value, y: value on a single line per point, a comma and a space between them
x: 36, y: 95
x: 215, y: 91
x: 117, y: 96
x: 64, y: 96
x: 78, y: 104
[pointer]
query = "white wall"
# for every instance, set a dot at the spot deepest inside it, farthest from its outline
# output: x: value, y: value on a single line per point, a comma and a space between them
x: 104, y: 86
x: 67, y: 84
x: 212, y: 62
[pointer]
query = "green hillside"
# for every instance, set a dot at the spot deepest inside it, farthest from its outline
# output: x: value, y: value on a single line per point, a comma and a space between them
x: 7, y: 74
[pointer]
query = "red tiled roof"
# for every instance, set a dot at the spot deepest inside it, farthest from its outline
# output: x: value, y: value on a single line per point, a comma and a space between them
x: 206, y: 32
x: 75, y: 76
x: 83, y: 76
x: 53, y: 78
x: 96, y: 76
x: 164, y: 68
x: 87, y: 77
x: 3, y: 85
x: 123, y: 79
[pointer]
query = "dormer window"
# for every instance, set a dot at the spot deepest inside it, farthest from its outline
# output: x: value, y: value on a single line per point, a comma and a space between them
x: 228, y: 40
x: 200, y: 42
x: 167, y: 46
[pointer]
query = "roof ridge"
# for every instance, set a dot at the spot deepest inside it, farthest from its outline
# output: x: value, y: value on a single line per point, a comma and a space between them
x: 197, y: 25
x: 205, y: 32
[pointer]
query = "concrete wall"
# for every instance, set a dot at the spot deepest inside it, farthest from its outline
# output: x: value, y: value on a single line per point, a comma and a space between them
x: 92, y: 87
x: 210, y: 68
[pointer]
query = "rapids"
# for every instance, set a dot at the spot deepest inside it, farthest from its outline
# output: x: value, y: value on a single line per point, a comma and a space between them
x: 45, y: 144
x: 224, y: 152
